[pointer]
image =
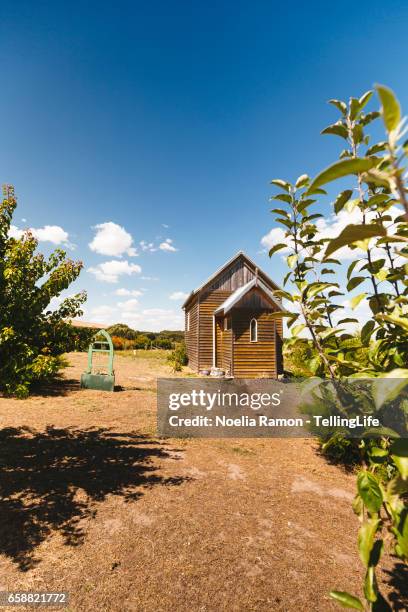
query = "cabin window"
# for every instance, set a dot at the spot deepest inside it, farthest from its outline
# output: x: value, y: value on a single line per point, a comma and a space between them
x: 188, y: 322
x: 253, y: 329
x: 227, y: 323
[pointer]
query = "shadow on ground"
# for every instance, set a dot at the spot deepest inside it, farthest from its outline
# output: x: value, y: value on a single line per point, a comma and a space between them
x: 52, y: 480
x: 58, y: 387
x: 398, y: 580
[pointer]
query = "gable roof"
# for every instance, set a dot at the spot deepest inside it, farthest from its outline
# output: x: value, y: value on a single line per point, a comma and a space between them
x: 239, y: 293
x: 226, y: 265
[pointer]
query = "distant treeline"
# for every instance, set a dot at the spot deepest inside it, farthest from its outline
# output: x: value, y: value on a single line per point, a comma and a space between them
x: 125, y: 338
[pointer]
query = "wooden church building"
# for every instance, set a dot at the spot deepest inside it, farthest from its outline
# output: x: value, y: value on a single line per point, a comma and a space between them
x: 228, y: 322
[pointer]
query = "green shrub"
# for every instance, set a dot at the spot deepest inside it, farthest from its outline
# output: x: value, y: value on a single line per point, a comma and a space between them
x: 178, y: 357
x: 32, y: 338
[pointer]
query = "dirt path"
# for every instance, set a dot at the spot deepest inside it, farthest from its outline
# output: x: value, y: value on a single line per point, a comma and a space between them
x: 93, y: 503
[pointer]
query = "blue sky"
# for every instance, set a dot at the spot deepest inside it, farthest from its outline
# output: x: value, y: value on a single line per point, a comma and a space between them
x: 168, y: 119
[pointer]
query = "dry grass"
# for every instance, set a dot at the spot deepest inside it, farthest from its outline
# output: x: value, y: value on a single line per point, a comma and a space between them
x: 93, y: 503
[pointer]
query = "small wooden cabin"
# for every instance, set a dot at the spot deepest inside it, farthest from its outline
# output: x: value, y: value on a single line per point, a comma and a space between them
x: 228, y: 322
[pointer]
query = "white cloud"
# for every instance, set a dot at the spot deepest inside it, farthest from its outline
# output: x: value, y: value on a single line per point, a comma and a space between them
x: 112, y: 239
x: 167, y: 246
x: 130, y: 292
x: 329, y: 227
x: 149, y: 278
x: 147, y: 246
x: 275, y: 236
x: 129, y: 305
x: 103, y: 314
x: 109, y: 271
x: 148, y: 319
x: 151, y: 247
x: 48, y: 233
x: 165, y: 225
x: 154, y: 319
x: 178, y: 295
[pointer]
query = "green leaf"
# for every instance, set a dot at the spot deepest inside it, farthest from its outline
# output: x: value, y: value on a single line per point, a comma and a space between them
x: 283, y: 294
x: 277, y: 247
x: 287, y: 276
x: 347, y: 600
x: 342, y: 106
x: 351, y: 268
x: 366, y: 537
x: 390, y: 107
x: 279, y: 211
x: 316, y: 191
x: 366, y: 119
x: 395, y: 320
x: 355, y: 282
x: 399, y: 453
x: 364, y: 99
x: 291, y: 260
x: 302, y: 181
x: 280, y: 183
x: 366, y: 331
x: 352, y: 234
x: 283, y: 197
x: 357, y: 505
x: 354, y: 108
x: 337, y: 128
x: 347, y: 320
x: 378, y: 455
x: 341, y: 199
x: 315, y: 288
x: 341, y: 168
x: 370, y: 585
x: 389, y: 386
x: 282, y: 313
x: 358, y: 133
x: 376, y: 177
x: 370, y: 491
x: 286, y: 222
x: 379, y: 198
x: 377, y: 148
x: 381, y: 274
x: 355, y: 301
x: 297, y: 329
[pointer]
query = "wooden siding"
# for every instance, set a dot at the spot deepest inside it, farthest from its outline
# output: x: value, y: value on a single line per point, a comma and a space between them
x: 224, y: 346
x: 237, y: 275
x: 254, y: 359
x: 256, y: 300
x: 238, y: 272
x: 208, y: 303
x: 234, y: 351
x: 191, y: 336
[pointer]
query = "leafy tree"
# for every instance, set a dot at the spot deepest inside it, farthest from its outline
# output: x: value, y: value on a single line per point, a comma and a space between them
x: 32, y: 338
x: 378, y: 192
x: 121, y: 330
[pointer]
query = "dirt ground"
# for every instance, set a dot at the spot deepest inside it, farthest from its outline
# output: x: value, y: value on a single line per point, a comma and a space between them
x: 95, y: 504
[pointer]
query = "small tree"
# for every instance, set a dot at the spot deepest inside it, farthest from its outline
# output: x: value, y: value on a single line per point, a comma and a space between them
x: 32, y: 338
x: 378, y: 193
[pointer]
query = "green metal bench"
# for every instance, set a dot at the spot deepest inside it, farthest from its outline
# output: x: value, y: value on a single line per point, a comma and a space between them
x: 101, y: 377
